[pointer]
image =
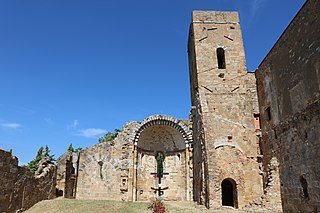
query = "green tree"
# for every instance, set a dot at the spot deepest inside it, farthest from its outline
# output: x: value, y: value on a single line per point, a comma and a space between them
x: 47, y: 154
x: 70, y: 148
x: 109, y: 136
x: 33, y: 164
x: 78, y: 149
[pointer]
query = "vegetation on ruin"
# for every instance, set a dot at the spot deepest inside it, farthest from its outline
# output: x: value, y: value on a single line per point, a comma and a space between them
x: 71, y: 149
x: 34, y: 164
x: 109, y: 136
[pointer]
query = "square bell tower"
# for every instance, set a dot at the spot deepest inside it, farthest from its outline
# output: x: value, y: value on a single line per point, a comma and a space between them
x: 226, y: 156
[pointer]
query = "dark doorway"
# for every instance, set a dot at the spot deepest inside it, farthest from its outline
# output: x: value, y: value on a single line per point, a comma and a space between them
x: 229, y: 193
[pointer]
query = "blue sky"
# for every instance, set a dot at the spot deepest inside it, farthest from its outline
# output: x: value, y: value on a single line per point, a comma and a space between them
x: 72, y: 70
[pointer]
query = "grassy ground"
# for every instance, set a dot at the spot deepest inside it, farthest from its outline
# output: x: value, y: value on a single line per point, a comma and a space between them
x: 97, y: 206
x: 87, y: 206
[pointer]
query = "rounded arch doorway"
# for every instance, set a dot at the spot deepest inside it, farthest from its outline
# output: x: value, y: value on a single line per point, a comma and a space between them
x: 229, y: 193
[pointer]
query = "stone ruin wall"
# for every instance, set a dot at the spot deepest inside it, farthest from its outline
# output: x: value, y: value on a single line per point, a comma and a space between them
x: 218, y: 95
x: 67, y: 172
x: 288, y: 82
x: 105, y: 169
x: 19, y: 188
x: 119, y: 170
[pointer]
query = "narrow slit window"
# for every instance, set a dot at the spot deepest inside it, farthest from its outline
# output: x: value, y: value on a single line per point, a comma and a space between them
x: 268, y: 114
x: 304, y: 185
x: 100, y: 169
x: 221, y: 58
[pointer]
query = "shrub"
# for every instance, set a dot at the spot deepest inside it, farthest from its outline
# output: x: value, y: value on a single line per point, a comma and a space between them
x: 157, y: 206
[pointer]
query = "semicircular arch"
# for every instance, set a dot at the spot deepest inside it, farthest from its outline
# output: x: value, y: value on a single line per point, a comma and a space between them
x: 168, y: 125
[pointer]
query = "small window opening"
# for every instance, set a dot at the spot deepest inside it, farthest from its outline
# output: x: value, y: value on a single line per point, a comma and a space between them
x: 260, y: 146
x: 221, y: 58
x: 268, y: 113
x: 256, y: 116
x: 304, y: 185
x: 100, y: 169
x: 221, y: 75
x: 306, y: 135
x: 232, y: 27
x: 229, y: 138
x: 142, y: 155
x: 257, y: 120
x: 141, y: 191
x: 124, y: 182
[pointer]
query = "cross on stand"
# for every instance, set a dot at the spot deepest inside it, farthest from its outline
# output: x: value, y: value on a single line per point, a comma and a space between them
x: 159, y: 174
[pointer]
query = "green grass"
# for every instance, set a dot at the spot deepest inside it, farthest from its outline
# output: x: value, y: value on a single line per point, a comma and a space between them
x: 77, y: 205
x: 100, y: 206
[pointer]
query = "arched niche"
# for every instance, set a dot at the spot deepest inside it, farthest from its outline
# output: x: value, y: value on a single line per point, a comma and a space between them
x: 161, y: 137
x: 171, y: 137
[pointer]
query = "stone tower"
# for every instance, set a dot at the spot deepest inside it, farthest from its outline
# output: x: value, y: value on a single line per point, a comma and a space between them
x: 224, y: 110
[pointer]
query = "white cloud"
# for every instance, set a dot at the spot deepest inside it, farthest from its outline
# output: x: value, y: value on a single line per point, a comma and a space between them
x: 11, y: 125
x: 73, y: 125
x: 91, y: 132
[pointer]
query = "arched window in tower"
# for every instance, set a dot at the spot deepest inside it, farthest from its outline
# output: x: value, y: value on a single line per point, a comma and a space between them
x: 221, y: 58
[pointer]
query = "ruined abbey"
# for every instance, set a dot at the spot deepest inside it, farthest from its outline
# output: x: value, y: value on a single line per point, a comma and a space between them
x: 251, y: 139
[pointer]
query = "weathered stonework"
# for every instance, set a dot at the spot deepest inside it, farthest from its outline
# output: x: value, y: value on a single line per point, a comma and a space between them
x: 121, y: 169
x: 224, y: 154
x: 67, y: 165
x: 226, y: 146
x: 288, y: 82
x: 172, y: 137
x: 19, y: 188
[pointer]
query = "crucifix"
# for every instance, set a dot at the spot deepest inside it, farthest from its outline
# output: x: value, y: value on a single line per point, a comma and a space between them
x: 159, y: 174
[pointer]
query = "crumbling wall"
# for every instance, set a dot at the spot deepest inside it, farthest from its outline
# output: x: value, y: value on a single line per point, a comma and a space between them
x: 19, y: 188
x: 288, y: 82
x: 105, y: 169
x: 67, y: 166
x: 70, y: 177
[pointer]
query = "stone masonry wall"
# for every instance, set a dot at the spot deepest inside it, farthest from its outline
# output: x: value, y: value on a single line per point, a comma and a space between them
x: 121, y: 169
x: 222, y: 110
x: 67, y: 166
x: 174, y: 164
x: 19, y: 188
x: 288, y: 83
x: 105, y: 169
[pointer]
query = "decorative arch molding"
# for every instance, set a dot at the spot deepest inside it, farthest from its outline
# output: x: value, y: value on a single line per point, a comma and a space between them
x: 162, y: 120
x: 225, y: 143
